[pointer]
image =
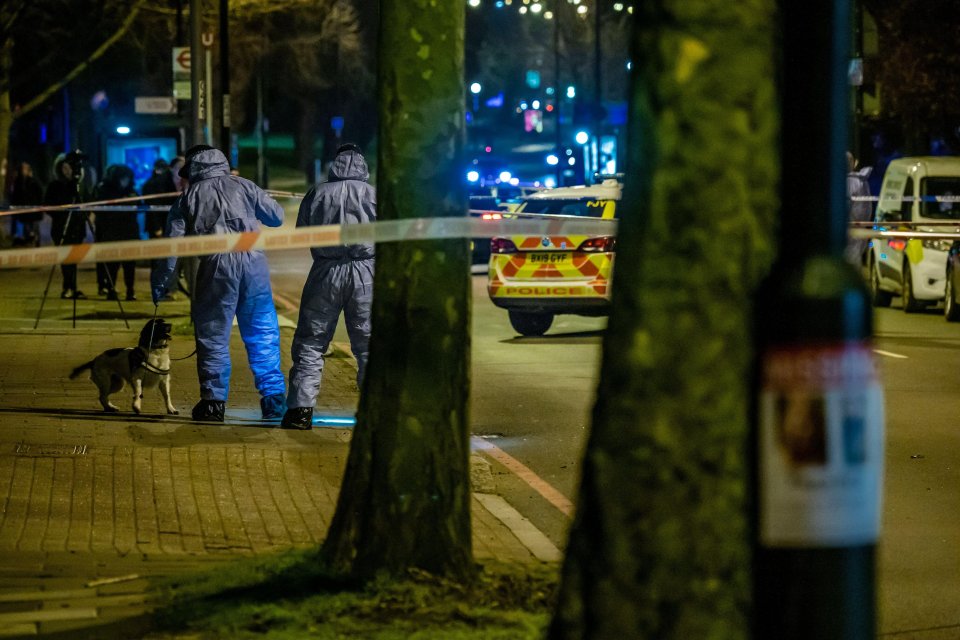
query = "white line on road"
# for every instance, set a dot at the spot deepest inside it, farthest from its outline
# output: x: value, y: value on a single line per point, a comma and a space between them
x: 890, y: 354
x: 529, y: 536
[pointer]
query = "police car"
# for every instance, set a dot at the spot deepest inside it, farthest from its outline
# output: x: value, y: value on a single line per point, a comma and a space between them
x: 536, y: 277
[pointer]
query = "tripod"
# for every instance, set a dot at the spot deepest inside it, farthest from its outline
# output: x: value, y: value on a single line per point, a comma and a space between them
x: 46, y: 289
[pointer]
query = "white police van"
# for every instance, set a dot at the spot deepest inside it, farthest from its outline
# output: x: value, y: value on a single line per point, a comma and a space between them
x: 917, y: 190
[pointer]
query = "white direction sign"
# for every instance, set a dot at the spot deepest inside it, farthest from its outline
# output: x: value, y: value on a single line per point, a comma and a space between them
x: 155, y: 104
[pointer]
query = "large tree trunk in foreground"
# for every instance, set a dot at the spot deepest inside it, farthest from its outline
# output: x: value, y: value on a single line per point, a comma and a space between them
x: 660, y: 547
x: 405, y: 500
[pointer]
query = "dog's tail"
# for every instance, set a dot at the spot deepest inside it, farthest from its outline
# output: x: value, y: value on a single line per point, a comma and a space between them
x: 84, y: 367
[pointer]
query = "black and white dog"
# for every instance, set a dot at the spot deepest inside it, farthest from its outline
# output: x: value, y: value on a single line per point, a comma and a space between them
x: 142, y: 367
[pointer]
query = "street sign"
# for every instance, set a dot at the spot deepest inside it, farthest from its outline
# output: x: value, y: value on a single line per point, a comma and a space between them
x: 155, y: 104
x: 181, y: 73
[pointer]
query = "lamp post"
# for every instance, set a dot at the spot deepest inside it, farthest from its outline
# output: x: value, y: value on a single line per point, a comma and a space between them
x: 558, y: 142
x: 225, y: 142
x: 197, y: 85
x: 818, y: 422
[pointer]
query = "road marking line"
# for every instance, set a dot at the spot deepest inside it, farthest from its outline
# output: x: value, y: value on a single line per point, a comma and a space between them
x: 529, y: 536
x: 285, y: 302
x: 890, y: 354
x: 538, y: 484
x: 80, y: 613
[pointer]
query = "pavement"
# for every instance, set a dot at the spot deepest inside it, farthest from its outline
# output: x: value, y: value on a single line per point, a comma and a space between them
x: 97, y: 507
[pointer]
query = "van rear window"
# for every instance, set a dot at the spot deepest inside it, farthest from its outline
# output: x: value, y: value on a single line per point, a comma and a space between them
x: 947, y: 188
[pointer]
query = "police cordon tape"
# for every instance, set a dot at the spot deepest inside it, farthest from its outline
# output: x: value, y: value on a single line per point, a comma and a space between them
x: 108, y: 205
x: 89, y: 206
x: 943, y: 198
x: 862, y: 234
x: 305, y: 237
x: 339, y: 235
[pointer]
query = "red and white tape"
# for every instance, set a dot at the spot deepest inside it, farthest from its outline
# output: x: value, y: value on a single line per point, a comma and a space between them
x: 304, y: 237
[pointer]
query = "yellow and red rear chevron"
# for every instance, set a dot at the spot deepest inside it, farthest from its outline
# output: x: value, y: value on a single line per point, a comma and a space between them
x: 510, y: 274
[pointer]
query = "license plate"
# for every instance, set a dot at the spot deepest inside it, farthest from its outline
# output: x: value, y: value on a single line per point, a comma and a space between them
x: 549, y: 258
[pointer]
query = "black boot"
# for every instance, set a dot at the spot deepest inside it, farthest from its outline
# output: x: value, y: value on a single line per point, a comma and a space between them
x: 273, y: 407
x: 298, y: 418
x: 209, y: 411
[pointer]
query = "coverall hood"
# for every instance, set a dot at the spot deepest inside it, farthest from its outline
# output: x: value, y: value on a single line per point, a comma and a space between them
x: 115, y: 173
x: 207, y: 164
x: 349, y: 165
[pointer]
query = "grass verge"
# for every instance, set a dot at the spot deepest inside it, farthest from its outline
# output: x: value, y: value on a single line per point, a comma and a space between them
x: 291, y: 596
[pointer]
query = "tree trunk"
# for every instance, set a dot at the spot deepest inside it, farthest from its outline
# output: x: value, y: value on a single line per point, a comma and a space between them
x: 6, y: 116
x: 660, y: 545
x: 405, y: 499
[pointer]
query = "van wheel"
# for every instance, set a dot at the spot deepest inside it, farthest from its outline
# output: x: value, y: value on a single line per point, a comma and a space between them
x: 530, y: 324
x: 951, y: 310
x: 878, y: 297
x: 910, y: 304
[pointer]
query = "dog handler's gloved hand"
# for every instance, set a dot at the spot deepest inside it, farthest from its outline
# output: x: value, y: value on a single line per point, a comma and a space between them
x: 157, y: 294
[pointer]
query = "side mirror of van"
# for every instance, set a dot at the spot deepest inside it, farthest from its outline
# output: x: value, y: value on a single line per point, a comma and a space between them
x: 889, y: 216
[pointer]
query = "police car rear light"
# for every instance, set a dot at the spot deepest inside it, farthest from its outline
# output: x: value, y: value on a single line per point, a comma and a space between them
x: 491, y: 216
x: 603, y: 244
x: 502, y: 245
x: 897, y: 245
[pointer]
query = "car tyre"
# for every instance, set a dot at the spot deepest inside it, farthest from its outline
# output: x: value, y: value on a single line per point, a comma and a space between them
x: 951, y: 310
x: 910, y: 304
x: 878, y: 297
x: 530, y: 324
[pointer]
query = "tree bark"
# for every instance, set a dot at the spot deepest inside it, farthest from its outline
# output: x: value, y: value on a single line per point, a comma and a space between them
x: 6, y: 115
x: 660, y: 545
x: 405, y: 499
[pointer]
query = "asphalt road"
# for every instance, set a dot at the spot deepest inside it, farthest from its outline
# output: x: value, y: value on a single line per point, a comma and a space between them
x: 532, y: 397
x: 919, y: 569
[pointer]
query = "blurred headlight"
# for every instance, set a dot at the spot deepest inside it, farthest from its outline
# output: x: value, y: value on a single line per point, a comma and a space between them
x: 938, y: 245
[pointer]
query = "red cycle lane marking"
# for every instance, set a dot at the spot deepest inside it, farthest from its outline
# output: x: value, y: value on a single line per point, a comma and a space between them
x: 525, y: 473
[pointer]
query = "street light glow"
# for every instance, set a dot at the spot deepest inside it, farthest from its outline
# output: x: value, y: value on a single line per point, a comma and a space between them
x: 475, y: 88
x: 535, y: 7
x: 473, y: 176
x: 582, y: 137
x: 571, y: 92
x: 123, y: 130
x: 553, y: 160
x: 505, y: 176
x: 535, y: 104
x: 473, y: 3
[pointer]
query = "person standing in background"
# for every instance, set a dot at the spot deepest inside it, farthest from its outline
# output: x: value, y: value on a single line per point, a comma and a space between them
x: 67, y: 226
x: 857, y: 210
x: 162, y: 181
x: 26, y: 190
x: 112, y: 226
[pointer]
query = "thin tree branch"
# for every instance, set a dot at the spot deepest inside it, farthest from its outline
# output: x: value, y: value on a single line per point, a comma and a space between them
x: 13, y: 14
x: 109, y: 42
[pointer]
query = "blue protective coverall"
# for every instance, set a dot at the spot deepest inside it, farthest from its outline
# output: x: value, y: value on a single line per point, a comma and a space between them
x: 228, y: 284
x: 341, y: 278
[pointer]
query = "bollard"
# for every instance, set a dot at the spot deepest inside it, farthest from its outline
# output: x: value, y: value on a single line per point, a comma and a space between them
x: 817, y: 443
